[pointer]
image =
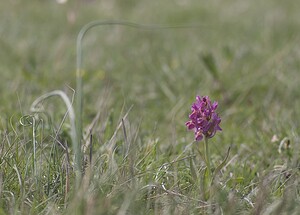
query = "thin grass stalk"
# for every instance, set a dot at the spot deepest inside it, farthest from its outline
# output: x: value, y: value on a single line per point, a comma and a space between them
x: 91, y: 148
x: 34, y: 146
x: 29, y: 120
x: 67, y: 185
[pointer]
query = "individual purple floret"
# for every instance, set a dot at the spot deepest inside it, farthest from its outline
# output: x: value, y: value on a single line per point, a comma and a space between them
x: 203, y: 119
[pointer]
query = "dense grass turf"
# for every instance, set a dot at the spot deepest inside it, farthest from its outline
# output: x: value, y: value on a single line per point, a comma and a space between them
x: 138, y: 88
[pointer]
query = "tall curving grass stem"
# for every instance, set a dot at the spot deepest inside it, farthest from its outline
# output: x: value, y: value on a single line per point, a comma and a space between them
x: 79, y: 52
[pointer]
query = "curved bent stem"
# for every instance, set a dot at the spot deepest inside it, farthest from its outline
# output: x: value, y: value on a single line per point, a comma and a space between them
x: 82, y: 33
x: 74, y: 136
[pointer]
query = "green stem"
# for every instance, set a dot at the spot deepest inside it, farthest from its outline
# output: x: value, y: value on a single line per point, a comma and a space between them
x: 208, y: 175
x: 207, y: 159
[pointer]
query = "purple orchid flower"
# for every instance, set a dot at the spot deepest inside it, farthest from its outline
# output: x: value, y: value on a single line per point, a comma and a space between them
x: 204, y: 120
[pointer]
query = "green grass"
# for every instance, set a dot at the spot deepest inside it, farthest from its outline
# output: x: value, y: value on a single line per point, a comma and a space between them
x: 147, y: 163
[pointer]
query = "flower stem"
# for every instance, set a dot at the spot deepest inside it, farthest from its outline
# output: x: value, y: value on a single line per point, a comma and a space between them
x: 207, y: 159
x: 208, y: 193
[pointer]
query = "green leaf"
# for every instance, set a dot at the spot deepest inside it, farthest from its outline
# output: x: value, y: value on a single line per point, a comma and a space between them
x: 217, y: 170
x: 193, y: 170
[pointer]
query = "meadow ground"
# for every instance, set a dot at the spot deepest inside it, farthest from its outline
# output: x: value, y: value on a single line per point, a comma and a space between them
x: 138, y: 89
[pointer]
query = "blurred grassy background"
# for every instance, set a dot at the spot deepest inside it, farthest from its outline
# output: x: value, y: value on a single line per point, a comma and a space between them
x: 254, y: 45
